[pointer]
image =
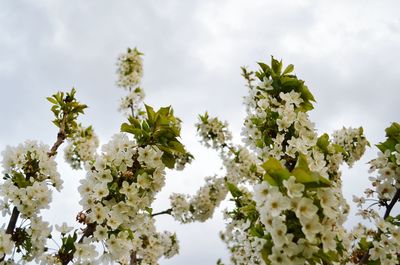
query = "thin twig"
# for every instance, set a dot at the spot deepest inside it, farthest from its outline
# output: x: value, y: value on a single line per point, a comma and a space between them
x: 168, y: 211
x: 61, y: 136
x: 133, y: 257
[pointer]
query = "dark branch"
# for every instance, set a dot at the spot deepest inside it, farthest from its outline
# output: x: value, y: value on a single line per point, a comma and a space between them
x: 133, y: 260
x: 391, y: 204
x: 61, y: 136
x: 168, y: 211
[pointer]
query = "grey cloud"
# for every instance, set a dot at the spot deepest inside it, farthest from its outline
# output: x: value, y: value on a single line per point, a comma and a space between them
x: 346, y: 52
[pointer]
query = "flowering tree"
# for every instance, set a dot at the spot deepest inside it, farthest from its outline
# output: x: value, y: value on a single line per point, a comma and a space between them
x: 120, y: 185
x: 284, y: 182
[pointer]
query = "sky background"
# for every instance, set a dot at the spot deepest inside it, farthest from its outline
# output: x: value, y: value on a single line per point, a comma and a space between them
x: 346, y: 51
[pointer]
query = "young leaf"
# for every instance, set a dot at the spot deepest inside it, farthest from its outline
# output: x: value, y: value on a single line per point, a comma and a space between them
x: 288, y: 69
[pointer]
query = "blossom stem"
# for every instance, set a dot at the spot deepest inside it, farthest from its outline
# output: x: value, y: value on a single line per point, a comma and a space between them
x: 131, y: 104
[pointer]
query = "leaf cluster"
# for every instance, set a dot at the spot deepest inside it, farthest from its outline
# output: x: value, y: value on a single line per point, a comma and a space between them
x: 21, y: 176
x: 66, y: 110
x: 245, y: 207
x: 276, y: 173
x: 392, y: 138
x: 160, y: 128
x: 67, y: 248
x: 323, y: 143
x: 284, y: 81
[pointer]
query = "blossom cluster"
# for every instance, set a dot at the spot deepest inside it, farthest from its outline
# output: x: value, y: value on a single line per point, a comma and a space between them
x: 130, y: 72
x: 353, y: 142
x: 296, y: 211
x: 6, y: 244
x: 201, y: 206
x: 213, y: 132
x: 297, y: 206
x: 387, y: 165
x: 245, y: 248
x: 82, y: 147
x: 29, y: 171
x: 383, y: 243
x: 129, y: 68
x: 285, y: 183
x: 132, y: 101
x: 116, y: 197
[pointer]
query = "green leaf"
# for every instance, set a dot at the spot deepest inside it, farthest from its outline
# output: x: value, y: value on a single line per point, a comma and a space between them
x: 135, y: 122
x: 323, y: 142
x: 306, y: 94
x: 288, y: 81
x: 272, y: 164
x: 165, y: 111
x: 177, y: 146
x: 302, y: 163
x: 338, y: 148
x: 393, y: 130
x: 266, y: 251
x: 327, y: 257
x: 260, y: 75
x: 149, y: 210
x: 168, y: 160
x: 69, y: 242
x: 151, y: 115
x: 131, y: 129
x: 306, y: 106
x: 257, y: 231
x: 270, y: 180
x: 20, y: 180
x: 52, y: 100
x: 235, y: 191
x: 288, y: 69
x: 275, y: 172
x: 280, y: 175
x: 323, y: 181
x: 265, y: 68
x: 276, y: 66
x: 302, y: 176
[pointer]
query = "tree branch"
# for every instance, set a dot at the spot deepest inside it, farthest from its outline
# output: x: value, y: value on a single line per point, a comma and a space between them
x: 389, y: 208
x: 133, y: 260
x: 89, y: 230
x: 168, y: 211
x: 61, y: 136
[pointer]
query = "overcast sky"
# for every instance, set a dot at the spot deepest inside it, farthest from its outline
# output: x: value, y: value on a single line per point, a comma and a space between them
x: 346, y: 51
